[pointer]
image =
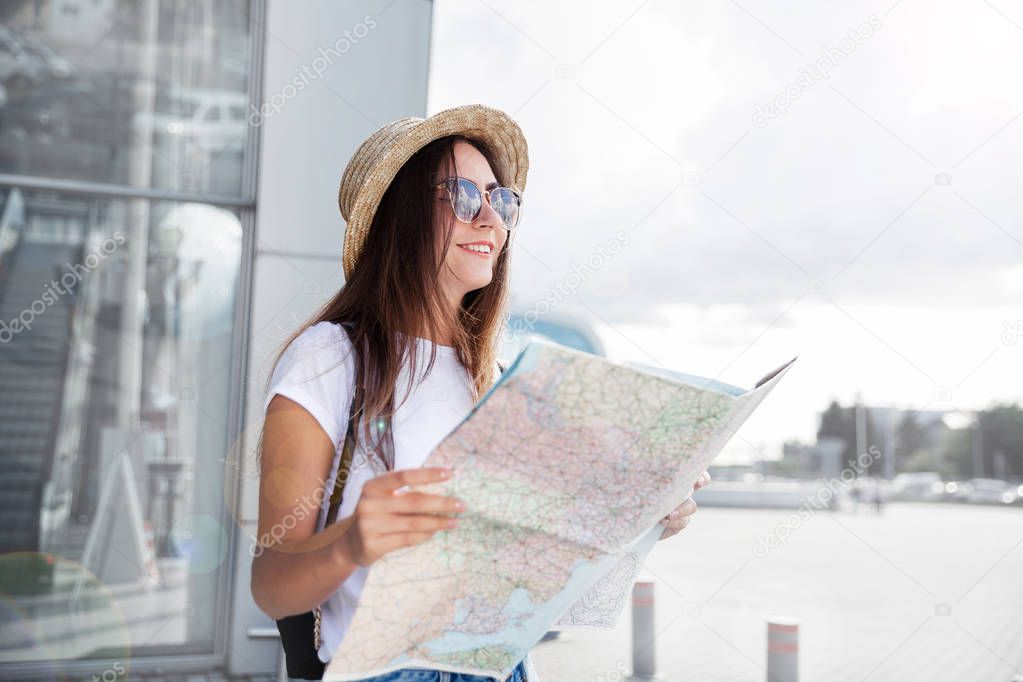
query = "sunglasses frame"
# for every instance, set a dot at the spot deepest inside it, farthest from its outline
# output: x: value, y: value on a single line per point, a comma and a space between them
x: 484, y: 193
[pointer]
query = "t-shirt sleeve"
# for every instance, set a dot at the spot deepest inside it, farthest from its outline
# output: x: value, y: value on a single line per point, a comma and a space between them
x: 316, y: 371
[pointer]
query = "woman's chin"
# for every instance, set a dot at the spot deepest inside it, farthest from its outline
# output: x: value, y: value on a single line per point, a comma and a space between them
x: 476, y: 280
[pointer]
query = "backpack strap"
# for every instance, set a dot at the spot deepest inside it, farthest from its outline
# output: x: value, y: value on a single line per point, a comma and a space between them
x: 344, y: 466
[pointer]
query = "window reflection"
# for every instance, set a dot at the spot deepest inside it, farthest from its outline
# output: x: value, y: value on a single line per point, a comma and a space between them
x: 116, y: 323
x: 147, y: 94
x: 115, y: 348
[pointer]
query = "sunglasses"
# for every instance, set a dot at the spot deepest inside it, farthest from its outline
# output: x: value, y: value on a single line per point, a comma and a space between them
x: 467, y: 200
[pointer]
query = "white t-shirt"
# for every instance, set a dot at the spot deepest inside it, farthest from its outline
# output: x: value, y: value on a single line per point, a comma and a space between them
x: 316, y: 371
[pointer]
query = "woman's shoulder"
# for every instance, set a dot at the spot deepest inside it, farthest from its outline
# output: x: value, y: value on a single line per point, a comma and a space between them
x: 322, y: 333
x: 316, y: 371
x: 319, y: 347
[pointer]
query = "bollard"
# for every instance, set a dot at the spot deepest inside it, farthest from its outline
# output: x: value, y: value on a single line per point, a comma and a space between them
x: 644, y: 661
x: 782, y: 650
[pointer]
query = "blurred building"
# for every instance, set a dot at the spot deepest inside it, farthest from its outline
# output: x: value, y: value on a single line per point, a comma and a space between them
x: 168, y: 174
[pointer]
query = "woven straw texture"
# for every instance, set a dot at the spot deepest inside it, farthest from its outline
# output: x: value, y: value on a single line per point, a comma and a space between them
x: 378, y: 159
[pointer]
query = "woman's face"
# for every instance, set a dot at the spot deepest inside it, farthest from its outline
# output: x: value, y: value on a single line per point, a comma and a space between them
x: 465, y: 270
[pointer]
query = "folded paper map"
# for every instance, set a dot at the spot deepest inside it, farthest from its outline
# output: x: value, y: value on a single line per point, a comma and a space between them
x: 566, y: 467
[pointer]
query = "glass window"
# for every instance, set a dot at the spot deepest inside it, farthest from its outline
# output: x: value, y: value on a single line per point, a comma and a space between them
x: 116, y: 329
x: 212, y: 114
x: 117, y: 324
x: 112, y: 92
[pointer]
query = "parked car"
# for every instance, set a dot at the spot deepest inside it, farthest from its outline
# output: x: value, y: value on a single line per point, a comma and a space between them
x: 921, y: 486
x: 954, y: 491
x: 989, y: 491
x: 212, y: 120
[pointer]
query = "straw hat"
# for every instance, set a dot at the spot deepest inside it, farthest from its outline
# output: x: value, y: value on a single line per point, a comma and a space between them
x: 378, y: 159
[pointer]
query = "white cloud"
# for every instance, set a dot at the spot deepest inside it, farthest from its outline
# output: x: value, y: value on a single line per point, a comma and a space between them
x: 843, y: 184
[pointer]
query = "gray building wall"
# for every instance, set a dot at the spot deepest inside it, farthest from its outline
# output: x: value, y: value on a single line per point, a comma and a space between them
x: 351, y: 68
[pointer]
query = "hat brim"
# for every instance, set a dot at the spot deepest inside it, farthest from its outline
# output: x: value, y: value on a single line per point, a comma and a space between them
x: 492, y: 127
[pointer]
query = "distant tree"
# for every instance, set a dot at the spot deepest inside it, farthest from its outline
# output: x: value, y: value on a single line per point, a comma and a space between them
x: 1001, y: 436
x: 910, y: 438
x: 956, y: 454
x: 1001, y: 430
x: 839, y: 422
x: 931, y: 459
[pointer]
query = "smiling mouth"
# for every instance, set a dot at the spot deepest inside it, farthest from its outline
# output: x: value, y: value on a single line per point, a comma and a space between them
x: 481, y: 250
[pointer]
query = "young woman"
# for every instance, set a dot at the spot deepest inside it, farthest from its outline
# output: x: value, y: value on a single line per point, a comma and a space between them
x: 430, y: 207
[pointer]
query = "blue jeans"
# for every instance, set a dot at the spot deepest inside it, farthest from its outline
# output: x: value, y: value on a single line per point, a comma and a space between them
x: 425, y: 675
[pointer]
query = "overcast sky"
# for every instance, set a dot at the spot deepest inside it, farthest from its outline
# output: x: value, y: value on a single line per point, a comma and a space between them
x: 873, y: 227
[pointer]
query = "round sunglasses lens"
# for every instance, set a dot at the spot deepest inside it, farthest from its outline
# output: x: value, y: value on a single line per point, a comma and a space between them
x: 506, y: 204
x: 466, y: 200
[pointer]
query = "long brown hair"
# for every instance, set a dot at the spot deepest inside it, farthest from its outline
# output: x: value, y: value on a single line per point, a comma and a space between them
x: 396, y: 288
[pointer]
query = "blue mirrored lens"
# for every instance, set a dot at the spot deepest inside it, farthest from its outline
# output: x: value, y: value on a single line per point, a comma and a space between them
x: 506, y: 204
x: 466, y: 200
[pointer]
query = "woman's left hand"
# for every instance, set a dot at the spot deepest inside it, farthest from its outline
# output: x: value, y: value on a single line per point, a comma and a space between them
x: 679, y: 518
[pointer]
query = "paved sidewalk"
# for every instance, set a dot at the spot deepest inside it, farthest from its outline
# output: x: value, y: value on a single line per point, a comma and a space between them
x: 921, y: 592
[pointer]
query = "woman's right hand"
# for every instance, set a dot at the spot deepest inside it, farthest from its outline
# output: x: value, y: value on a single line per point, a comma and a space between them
x: 385, y: 520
